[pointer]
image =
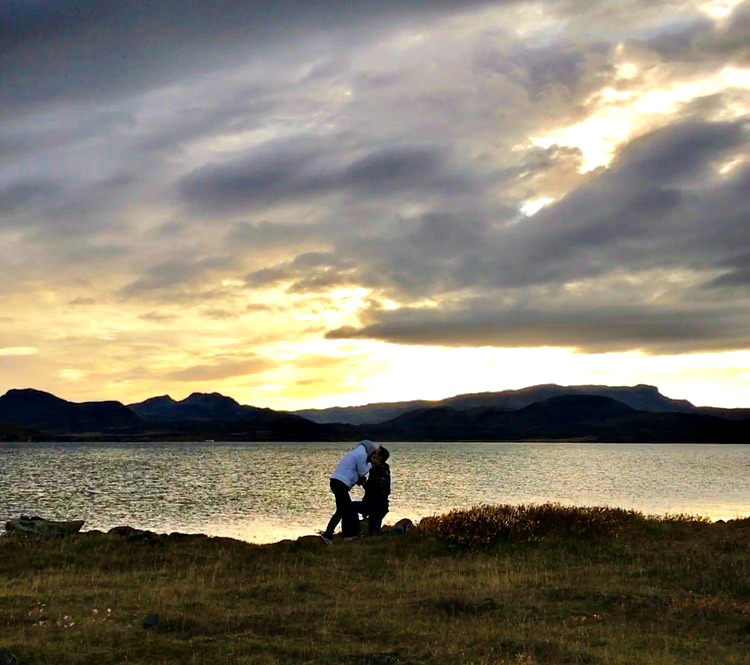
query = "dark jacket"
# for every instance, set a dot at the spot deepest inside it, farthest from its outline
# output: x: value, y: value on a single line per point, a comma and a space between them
x: 378, y: 485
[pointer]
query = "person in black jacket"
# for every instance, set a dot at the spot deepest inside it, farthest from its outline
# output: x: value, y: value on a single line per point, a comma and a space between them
x: 374, y: 504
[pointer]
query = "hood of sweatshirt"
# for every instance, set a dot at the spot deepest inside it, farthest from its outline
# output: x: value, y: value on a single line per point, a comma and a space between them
x: 369, y: 446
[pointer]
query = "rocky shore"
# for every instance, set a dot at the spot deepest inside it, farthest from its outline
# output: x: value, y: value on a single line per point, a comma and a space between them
x: 36, y: 526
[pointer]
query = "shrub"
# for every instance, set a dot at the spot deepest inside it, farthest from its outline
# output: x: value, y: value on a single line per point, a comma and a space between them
x: 486, y: 525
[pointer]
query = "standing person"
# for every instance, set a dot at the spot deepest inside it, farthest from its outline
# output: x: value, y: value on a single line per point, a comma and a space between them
x: 351, y: 470
x: 374, y: 505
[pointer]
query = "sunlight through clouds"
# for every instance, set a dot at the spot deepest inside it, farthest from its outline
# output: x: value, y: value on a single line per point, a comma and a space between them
x: 354, y: 204
x: 618, y: 116
x: 18, y: 351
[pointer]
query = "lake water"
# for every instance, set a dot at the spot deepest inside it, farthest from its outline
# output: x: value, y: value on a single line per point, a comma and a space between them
x: 263, y: 492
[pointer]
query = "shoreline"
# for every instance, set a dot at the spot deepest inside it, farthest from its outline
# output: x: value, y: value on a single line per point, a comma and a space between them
x: 400, y: 527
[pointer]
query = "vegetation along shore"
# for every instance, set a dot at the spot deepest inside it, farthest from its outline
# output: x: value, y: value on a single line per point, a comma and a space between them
x: 494, y: 585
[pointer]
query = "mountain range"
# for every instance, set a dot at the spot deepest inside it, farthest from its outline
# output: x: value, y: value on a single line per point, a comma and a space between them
x: 640, y: 397
x: 547, y: 412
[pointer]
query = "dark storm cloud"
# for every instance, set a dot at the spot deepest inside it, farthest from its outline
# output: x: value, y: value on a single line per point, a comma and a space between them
x: 77, y: 49
x: 281, y: 171
x: 703, y: 41
x: 736, y: 278
x: 661, y: 207
x: 187, y: 142
x: 64, y: 205
x: 17, y: 195
x: 540, y: 69
x: 656, y: 329
x: 685, y: 151
x: 20, y: 139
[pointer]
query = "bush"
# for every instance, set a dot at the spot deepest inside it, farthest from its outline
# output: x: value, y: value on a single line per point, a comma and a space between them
x: 486, y: 525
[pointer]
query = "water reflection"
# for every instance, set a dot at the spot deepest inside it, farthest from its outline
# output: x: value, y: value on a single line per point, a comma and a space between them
x: 265, y: 492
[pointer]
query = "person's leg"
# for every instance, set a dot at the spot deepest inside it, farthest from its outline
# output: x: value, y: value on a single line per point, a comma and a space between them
x: 349, y: 518
x: 360, y: 508
x: 343, y: 505
x: 375, y: 520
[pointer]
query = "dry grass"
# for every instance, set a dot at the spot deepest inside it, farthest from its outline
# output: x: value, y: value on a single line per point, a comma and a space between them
x: 648, y: 591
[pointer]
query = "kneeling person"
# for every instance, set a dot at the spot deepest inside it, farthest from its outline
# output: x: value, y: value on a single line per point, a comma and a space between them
x: 374, y: 504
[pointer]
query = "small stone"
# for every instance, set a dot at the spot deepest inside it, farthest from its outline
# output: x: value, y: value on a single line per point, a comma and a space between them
x: 132, y: 534
x: 405, y: 525
x: 309, y: 539
x: 7, y: 658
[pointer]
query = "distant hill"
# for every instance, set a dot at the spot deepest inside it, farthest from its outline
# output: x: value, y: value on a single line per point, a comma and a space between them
x: 640, y: 397
x: 537, y: 413
x: 367, y: 413
x: 199, y: 417
x: 564, y: 417
x: 46, y: 413
x: 198, y: 406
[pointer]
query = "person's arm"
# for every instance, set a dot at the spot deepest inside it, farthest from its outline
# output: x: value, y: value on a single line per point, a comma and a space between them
x: 363, y: 466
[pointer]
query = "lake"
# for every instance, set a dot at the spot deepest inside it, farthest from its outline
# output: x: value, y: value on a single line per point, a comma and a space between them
x: 263, y: 492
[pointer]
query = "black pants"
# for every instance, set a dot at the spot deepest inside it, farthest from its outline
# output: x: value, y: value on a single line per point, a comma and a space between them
x: 374, y: 512
x: 344, y: 512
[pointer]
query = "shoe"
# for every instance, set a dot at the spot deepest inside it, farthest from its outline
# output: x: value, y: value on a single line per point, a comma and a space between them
x: 325, y: 539
x: 350, y: 538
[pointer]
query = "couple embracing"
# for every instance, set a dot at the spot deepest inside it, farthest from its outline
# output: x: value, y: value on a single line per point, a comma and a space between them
x: 366, y: 465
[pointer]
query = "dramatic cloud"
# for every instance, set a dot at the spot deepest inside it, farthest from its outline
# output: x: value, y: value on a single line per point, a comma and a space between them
x: 220, y: 369
x: 180, y: 177
x: 73, y: 49
x: 297, y: 169
x: 661, y: 210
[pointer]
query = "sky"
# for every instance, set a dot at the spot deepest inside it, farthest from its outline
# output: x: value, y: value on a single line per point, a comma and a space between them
x: 303, y: 203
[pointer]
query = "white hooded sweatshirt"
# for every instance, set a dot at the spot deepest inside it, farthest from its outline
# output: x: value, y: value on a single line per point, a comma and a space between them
x: 354, y: 464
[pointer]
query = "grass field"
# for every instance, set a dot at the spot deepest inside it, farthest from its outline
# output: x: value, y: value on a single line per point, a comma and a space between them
x: 555, y: 585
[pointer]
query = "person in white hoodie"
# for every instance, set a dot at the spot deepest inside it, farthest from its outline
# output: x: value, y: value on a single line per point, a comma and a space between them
x: 350, y: 471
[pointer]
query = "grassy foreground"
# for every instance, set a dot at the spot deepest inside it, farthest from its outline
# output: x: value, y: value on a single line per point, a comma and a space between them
x: 525, y: 586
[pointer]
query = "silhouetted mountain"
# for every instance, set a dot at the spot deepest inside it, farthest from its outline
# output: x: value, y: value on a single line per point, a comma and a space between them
x: 564, y: 417
x: 367, y: 413
x: 198, y: 406
x: 51, y: 415
x: 641, y: 397
x: 254, y: 425
x: 32, y: 414
x: 199, y: 417
x: 730, y: 414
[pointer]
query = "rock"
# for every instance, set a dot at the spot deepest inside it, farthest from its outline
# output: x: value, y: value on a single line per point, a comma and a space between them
x: 403, y: 526
x: 36, y: 526
x: 152, y: 620
x: 131, y: 533
x: 7, y: 658
x: 310, y: 539
x: 179, y: 536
